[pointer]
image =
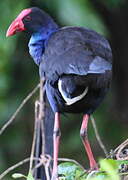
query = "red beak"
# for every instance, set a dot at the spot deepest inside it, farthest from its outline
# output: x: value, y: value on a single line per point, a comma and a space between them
x: 16, y: 26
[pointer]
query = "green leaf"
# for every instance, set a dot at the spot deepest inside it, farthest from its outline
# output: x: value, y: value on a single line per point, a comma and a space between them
x: 71, y: 171
x: 18, y: 175
x: 119, y: 162
x: 80, y: 13
x: 30, y: 176
x: 67, y: 168
x: 110, y: 166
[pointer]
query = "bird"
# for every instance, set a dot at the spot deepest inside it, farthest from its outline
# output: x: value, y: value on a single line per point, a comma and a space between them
x: 76, y: 63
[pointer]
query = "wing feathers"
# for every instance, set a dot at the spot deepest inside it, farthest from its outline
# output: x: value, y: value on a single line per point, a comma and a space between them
x: 99, y: 65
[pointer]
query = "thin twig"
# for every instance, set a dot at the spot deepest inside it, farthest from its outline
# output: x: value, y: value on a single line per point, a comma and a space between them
x: 42, y: 113
x: 19, y: 108
x: 16, y: 165
x: 47, y: 167
x: 125, y: 142
x: 39, y: 131
x: 34, y: 137
x: 37, y: 126
x: 45, y: 161
x: 121, y: 147
x: 124, y: 173
x: 98, y: 136
x: 71, y: 160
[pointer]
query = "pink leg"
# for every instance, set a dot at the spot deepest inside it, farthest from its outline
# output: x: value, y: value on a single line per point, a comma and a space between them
x: 83, y: 134
x: 56, y: 142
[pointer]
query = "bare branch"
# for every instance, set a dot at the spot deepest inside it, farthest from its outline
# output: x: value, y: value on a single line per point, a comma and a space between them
x: 39, y: 132
x: 42, y: 113
x: 48, y: 166
x: 19, y: 108
x: 98, y: 136
x: 45, y: 161
x: 119, y: 149
x: 125, y: 142
x: 34, y: 136
x: 16, y: 166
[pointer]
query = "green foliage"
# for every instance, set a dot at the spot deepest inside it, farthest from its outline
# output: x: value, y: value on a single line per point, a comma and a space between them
x: 18, y: 175
x: 80, y: 13
x: 30, y: 177
x: 71, y: 171
x: 110, y: 166
x: 109, y: 170
x: 9, y: 10
x: 114, y: 3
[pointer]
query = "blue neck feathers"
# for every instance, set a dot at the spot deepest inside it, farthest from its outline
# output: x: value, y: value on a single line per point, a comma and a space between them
x: 37, y: 42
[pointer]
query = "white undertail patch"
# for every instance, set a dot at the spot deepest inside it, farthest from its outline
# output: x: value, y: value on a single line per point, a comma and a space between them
x: 70, y: 101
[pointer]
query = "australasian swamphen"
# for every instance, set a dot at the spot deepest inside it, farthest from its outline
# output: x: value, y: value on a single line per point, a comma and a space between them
x: 77, y: 65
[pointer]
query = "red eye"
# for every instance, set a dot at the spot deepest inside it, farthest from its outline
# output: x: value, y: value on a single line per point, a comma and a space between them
x: 27, y: 18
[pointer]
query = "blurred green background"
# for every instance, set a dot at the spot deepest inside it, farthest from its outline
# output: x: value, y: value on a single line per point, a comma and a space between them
x: 19, y: 75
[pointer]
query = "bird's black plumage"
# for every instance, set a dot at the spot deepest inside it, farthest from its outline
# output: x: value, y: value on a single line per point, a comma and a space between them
x: 80, y: 58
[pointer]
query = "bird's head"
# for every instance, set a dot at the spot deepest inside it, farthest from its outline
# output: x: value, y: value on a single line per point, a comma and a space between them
x: 30, y: 20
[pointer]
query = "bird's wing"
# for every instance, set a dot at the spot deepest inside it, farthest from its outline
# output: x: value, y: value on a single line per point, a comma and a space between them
x: 75, y: 51
x: 75, y: 61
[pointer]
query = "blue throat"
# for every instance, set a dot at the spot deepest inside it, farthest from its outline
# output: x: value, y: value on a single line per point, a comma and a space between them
x: 37, y: 43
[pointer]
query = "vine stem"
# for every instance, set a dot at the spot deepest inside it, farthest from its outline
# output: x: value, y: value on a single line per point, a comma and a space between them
x: 16, y: 166
x: 98, y: 136
x: 19, y: 109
